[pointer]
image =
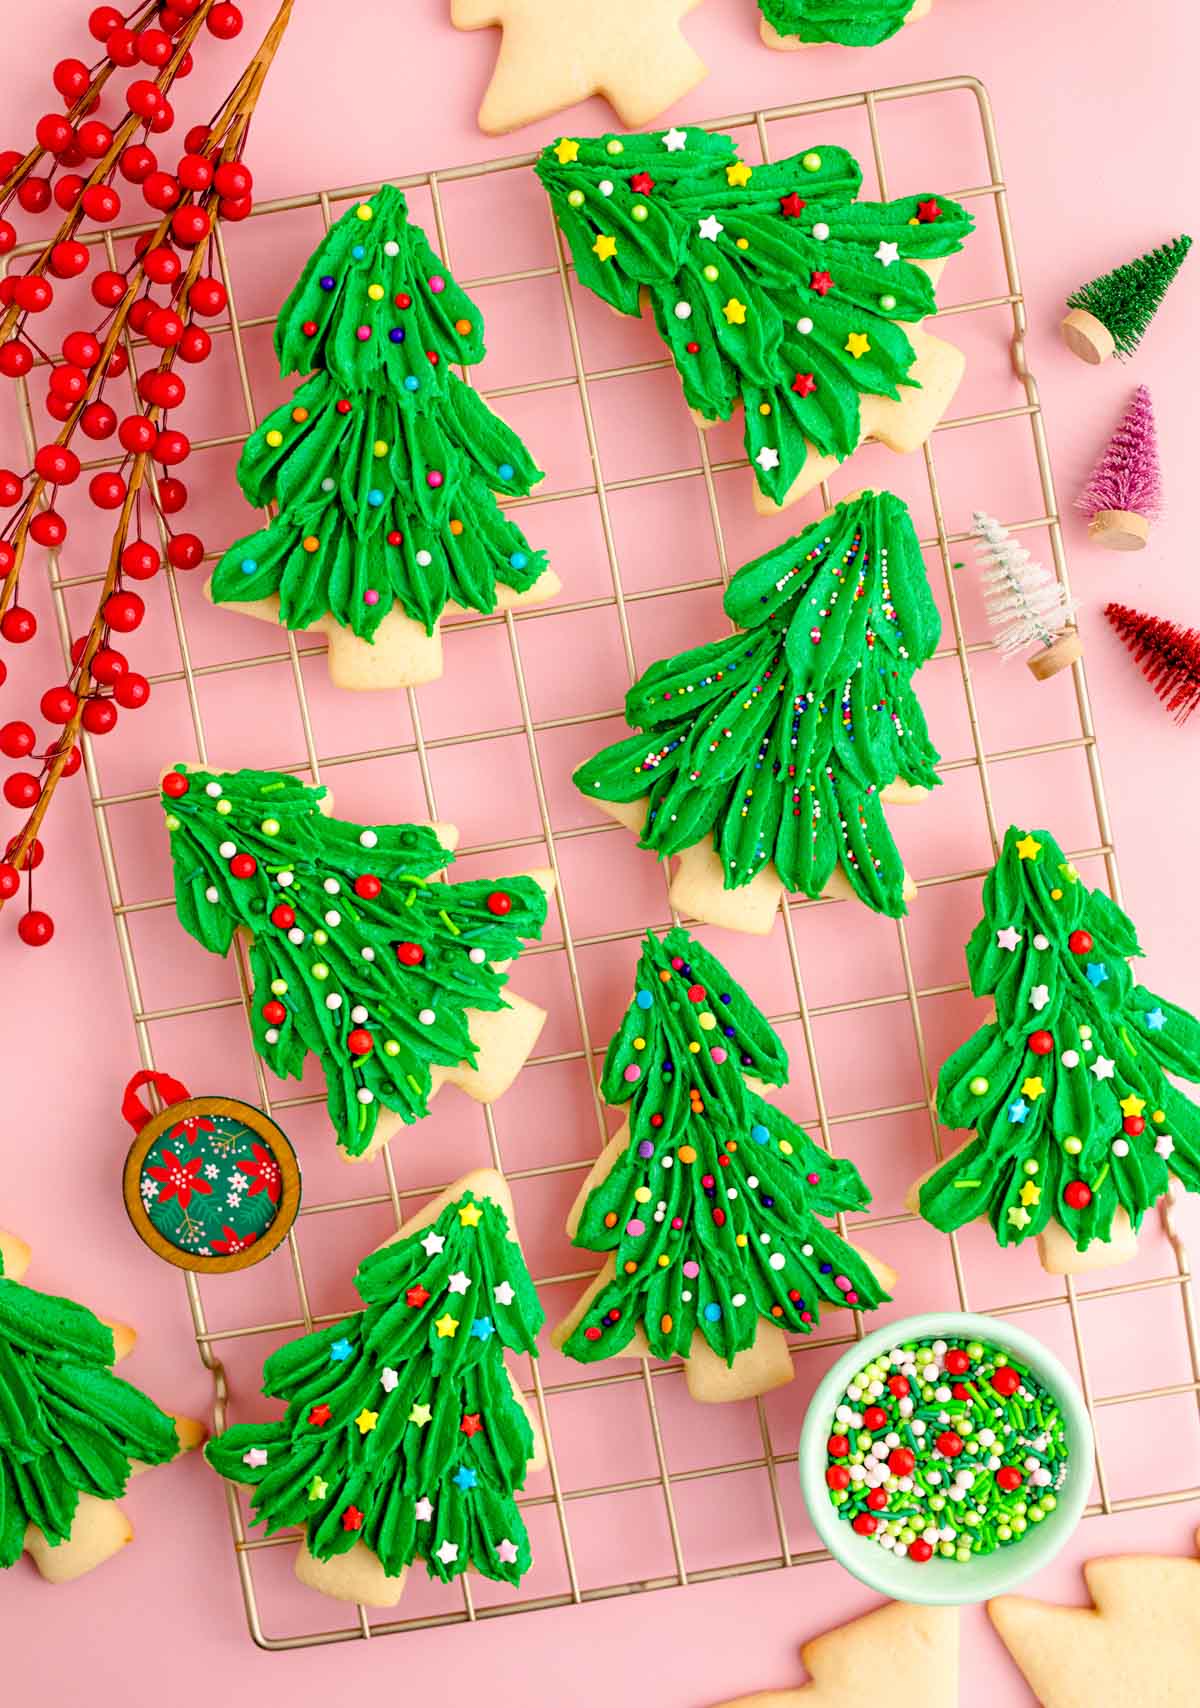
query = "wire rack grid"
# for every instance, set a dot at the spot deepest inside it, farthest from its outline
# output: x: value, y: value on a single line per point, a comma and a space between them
x: 776, y: 1549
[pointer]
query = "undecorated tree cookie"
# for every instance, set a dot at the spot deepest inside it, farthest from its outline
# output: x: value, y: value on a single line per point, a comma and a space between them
x: 900, y: 1654
x: 71, y: 1433
x: 405, y: 1435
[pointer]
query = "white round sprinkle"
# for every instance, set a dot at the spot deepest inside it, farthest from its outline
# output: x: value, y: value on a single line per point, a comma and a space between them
x: 806, y: 1251
x: 427, y: 1017
x: 1041, y: 941
x: 358, y: 1014
x: 606, y: 186
x: 391, y: 247
x: 295, y: 935
x: 365, y: 1096
x: 333, y: 917
x: 332, y: 886
x: 424, y: 559
x: 777, y: 1260
x: 804, y: 325
x: 368, y: 838
x: 1070, y: 1058
x: 1120, y: 1147
x: 213, y: 789
x: 476, y: 955
x: 683, y: 311
x: 820, y: 231
x: 328, y: 484
x: 368, y: 954
x: 285, y: 879
x: 738, y: 1299
x: 333, y: 1000
x: 227, y: 850
x: 212, y: 893
x: 271, y: 1034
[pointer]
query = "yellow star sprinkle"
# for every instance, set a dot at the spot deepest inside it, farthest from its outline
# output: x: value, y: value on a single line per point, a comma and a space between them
x: 1029, y: 848
x: 858, y: 344
x: 1032, y: 1088
x: 1018, y: 1217
x: 420, y: 1415
x: 470, y: 1215
x: 1132, y: 1105
x: 1069, y: 873
x: 604, y: 247
x: 567, y: 149
x: 447, y: 1326
x: 318, y: 1489
x: 1030, y: 1194
x: 737, y: 175
x: 366, y: 1421
x: 735, y: 312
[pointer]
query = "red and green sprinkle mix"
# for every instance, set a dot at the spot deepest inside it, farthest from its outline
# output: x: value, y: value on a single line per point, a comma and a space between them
x: 945, y: 1447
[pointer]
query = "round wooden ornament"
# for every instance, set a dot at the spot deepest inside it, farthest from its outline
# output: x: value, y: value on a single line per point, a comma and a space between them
x: 211, y: 1184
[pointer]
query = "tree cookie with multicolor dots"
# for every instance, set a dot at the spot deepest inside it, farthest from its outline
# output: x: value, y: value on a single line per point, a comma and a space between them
x: 707, y: 1200
x: 406, y: 1435
x: 1068, y: 1088
x: 898, y: 1654
x: 772, y: 286
x: 791, y: 24
x: 71, y: 1433
x: 388, y: 472
x: 359, y: 954
x: 555, y: 53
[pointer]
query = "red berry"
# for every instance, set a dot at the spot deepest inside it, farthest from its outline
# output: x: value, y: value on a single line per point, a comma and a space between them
x: 243, y: 866
x: 1009, y: 1478
x: 838, y: 1446
x: 58, y: 705
x: 164, y: 118
x: 161, y: 265
x: 207, y: 296
x: 1041, y: 1043
x: 15, y: 359
x: 67, y: 190
x: 196, y: 138
x: 103, y: 21
x: 877, y: 1500
x: 34, y: 195
x: 98, y: 420
x: 274, y: 1013
x: 283, y: 916
x: 195, y: 345
x: 30, y: 860
x: 172, y: 446
x: 499, y: 902
x: 35, y: 928
x: 10, y: 881
x: 82, y: 348
x: 107, y: 490
x: 32, y: 293
x: 138, y: 433
x: 54, y: 132
x: 191, y: 225
x: 164, y: 327
x: 22, y: 790
x: 837, y: 1477
x: 68, y: 382
x: 70, y: 77
x: 233, y: 179
x: 99, y: 716
x: 143, y: 98
x: 901, y: 1461
x: 195, y: 172
x: 950, y: 1443
x: 235, y: 210
x: 57, y: 408
x: 93, y: 139
x: 172, y: 496
x: 1080, y: 942
x: 919, y: 1550
x: 359, y: 1041
x: 109, y: 288
x: 137, y: 162
x: 108, y: 666
x: 122, y: 48
x: 864, y: 1523
x: 224, y: 21
x: 185, y: 551
x: 68, y: 260
x: 16, y: 739
x: 57, y: 464
x: 124, y: 611
x: 409, y: 954
x: 367, y: 885
x: 175, y: 785
x: 140, y: 560
x: 72, y: 762
x: 101, y: 202
x: 874, y: 1418
x: 957, y: 1362
x: 163, y: 387
x: 18, y: 625
x: 48, y: 529
x: 1006, y: 1381
x: 131, y: 691
x: 8, y: 236
x: 898, y: 1386
x: 154, y: 47
x: 160, y: 191
x: 11, y: 488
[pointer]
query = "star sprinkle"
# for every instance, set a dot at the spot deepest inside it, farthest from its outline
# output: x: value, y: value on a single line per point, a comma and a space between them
x: 737, y: 175
x: 804, y: 384
x: 389, y: 1379
x: 1155, y: 1019
x: 1029, y: 847
x: 420, y: 1415
x: 470, y: 1215
x: 506, y: 1552
x: 1132, y: 1105
x: 641, y: 183
x: 1030, y: 1194
x: 674, y: 139
x: 464, y: 1477
x: 1017, y: 1112
x: 459, y: 1281
x: 1018, y: 1216
x: 735, y: 312
x: 472, y: 1422
x: 1008, y: 938
x: 793, y: 205
x: 352, y: 1518
x: 503, y: 1294
x: 566, y: 150
x: 1097, y: 973
x: 1033, y: 1088
x: 447, y: 1553
x: 1039, y: 996
x: 767, y: 458
x: 927, y: 212
x: 318, y: 1489
x: 482, y: 1328
x: 416, y: 1297
x: 887, y: 253
x: 432, y: 1243
x: 1067, y: 868
x: 1164, y: 1144
x: 319, y: 1416
x: 604, y: 247
x: 446, y: 1325
x: 1103, y: 1067
x: 256, y: 1458
x: 858, y: 344
x: 366, y: 1421
x: 711, y: 228
x: 821, y: 283
x: 423, y: 1510
x: 340, y: 1351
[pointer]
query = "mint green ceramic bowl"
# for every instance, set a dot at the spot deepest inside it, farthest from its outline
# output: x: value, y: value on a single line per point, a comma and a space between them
x: 946, y: 1583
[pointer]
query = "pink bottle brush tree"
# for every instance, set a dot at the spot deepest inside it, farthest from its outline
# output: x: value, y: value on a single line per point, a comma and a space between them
x: 1123, y: 495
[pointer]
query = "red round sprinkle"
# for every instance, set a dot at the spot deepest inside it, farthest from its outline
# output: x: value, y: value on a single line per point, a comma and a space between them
x: 696, y: 993
x: 367, y: 885
x: 1008, y: 1478
x: 175, y: 784
x: 360, y: 1042
x: 901, y: 1461
x: 499, y: 902
x: 1005, y: 1381
x: 874, y: 1418
x: 950, y: 1443
x: 838, y: 1446
x: 920, y: 1550
x: 274, y: 1013
x: 1041, y: 1043
x: 837, y: 1477
x: 957, y: 1362
x: 283, y: 916
x: 865, y: 1524
x: 1080, y: 942
x: 877, y: 1500
x: 898, y: 1385
x: 409, y: 954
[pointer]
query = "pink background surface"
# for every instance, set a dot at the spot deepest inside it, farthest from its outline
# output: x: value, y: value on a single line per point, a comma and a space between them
x: 395, y: 94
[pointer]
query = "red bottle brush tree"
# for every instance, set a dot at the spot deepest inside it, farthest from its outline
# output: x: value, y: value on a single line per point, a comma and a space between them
x: 90, y: 166
x: 1168, y: 653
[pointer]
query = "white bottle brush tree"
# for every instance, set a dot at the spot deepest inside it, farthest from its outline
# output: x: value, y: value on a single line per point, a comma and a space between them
x: 1026, y: 605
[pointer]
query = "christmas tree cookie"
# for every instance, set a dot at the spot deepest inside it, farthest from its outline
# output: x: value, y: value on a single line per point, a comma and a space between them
x: 405, y: 1435
x: 765, y: 759
x: 391, y: 977
x: 771, y: 285
x: 71, y: 1433
x: 385, y: 467
x: 787, y: 24
x: 707, y: 1199
x: 1076, y: 1125
x: 1111, y: 314
x: 915, y: 1649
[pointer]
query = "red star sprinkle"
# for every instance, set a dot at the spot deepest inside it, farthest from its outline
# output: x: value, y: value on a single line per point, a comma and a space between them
x: 319, y: 1416
x: 927, y: 212
x: 792, y: 206
x: 641, y: 183
x: 352, y: 1518
x: 822, y: 283
x: 804, y: 384
x: 416, y: 1296
x: 472, y: 1423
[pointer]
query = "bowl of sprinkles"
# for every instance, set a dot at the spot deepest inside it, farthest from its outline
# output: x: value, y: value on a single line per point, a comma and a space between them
x: 946, y: 1457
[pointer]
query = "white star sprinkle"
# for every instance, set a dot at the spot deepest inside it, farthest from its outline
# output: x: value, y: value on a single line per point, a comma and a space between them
x: 1008, y: 938
x: 1164, y: 1144
x: 674, y: 139
x: 1039, y: 996
x: 887, y: 253
x: 389, y: 1379
x: 767, y: 458
x: 459, y: 1282
x: 503, y: 1294
x: 506, y: 1552
x: 711, y: 228
x: 423, y: 1510
x: 1103, y: 1067
x: 256, y: 1458
x: 447, y: 1553
x: 432, y: 1243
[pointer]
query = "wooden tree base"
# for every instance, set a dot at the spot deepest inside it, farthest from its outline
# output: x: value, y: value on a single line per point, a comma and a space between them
x: 792, y: 44
x: 1119, y: 530
x: 1066, y: 649
x: 1087, y: 337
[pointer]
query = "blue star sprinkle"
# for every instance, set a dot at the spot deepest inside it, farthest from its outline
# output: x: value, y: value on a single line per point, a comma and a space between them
x: 340, y: 1351
x: 1156, y: 1019
x: 1097, y: 972
x: 1017, y: 1111
x: 482, y: 1328
x: 465, y: 1477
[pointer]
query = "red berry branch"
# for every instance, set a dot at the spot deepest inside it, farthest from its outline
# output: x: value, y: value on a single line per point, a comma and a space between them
x: 210, y: 183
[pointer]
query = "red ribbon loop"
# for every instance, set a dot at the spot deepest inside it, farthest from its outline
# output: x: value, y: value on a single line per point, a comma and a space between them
x: 170, y: 1090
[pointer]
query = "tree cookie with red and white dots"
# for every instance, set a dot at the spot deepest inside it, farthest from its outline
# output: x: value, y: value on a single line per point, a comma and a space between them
x: 360, y: 955
x: 388, y: 471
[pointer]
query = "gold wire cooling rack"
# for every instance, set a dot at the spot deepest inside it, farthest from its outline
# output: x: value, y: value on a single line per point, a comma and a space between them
x: 776, y: 1549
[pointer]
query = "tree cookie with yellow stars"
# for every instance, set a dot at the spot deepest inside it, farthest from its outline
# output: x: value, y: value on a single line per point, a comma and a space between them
x: 555, y: 53
x: 898, y: 1654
